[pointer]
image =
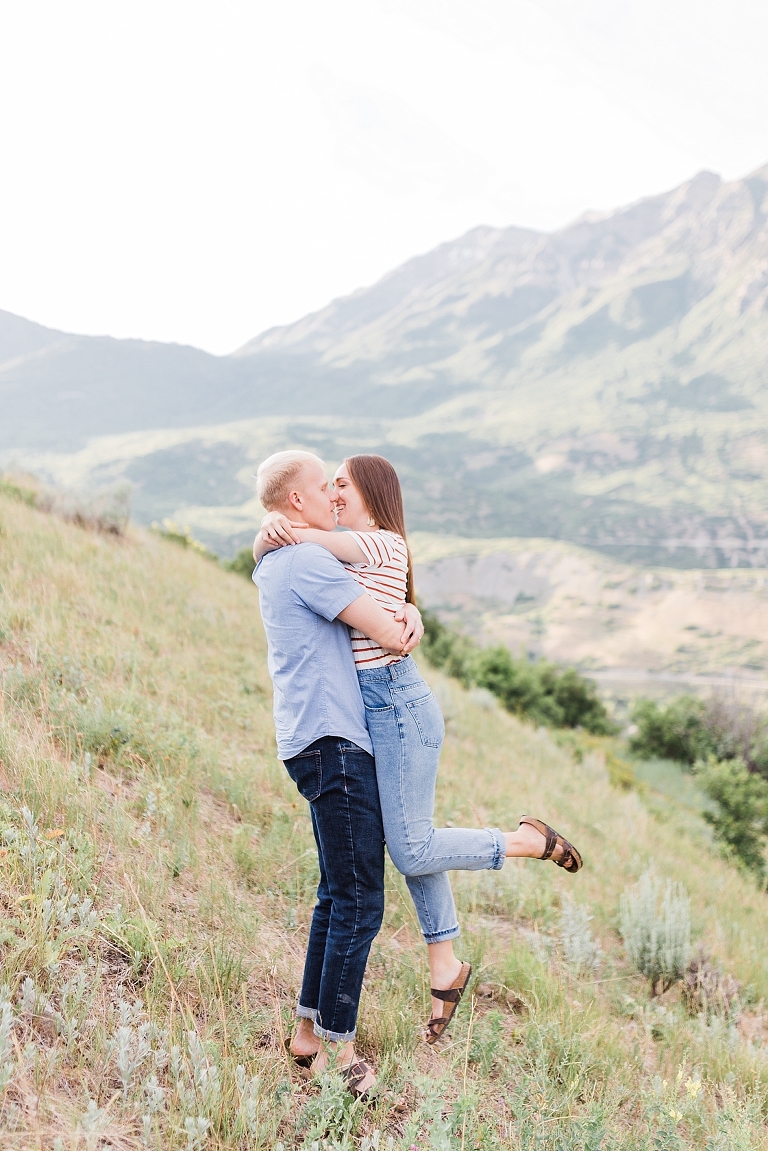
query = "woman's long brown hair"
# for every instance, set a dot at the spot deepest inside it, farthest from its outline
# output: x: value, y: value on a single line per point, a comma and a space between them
x: 376, y: 480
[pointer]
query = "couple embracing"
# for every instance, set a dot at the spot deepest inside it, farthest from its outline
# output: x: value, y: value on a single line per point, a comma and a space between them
x: 360, y: 732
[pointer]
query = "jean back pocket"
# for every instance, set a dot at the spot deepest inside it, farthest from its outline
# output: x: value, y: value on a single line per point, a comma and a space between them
x: 428, y: 718
x: 306, y: 771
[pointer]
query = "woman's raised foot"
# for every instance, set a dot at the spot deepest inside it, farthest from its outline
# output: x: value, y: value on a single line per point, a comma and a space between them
x: 535, y: 839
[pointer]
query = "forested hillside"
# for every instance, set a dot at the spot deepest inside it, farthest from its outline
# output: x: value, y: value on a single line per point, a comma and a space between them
x: 157, y: 874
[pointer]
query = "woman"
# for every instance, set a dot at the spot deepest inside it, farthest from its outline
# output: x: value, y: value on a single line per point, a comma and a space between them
x: 406, y: 726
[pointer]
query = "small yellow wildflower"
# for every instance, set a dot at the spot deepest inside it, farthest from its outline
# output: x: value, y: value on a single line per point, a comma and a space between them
x: 693, y: 1087
x: 676, y: 1115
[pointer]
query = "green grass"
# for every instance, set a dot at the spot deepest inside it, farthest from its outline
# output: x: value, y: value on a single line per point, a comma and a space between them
x: 672, y: 782
x: 157, y: 877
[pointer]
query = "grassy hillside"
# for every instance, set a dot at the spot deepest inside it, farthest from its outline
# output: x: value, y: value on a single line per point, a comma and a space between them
x: 157, y: 877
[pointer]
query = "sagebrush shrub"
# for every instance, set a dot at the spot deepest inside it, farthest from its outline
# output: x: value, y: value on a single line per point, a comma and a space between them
x: 580, y: 949
x: 655, y: 924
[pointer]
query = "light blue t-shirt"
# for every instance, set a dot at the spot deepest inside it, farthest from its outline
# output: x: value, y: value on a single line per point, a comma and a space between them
x: 302, y: 590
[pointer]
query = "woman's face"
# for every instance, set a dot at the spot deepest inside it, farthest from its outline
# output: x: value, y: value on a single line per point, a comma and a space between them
x: 350, y: 510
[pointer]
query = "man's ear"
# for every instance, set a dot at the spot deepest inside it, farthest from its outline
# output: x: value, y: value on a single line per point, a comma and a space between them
x: 295, y: 501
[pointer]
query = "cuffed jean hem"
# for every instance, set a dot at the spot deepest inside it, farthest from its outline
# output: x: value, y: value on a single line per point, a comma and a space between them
x: 334, y: 1036
x: 306, y: 1012
x: 441, y: 936
x: 501, y: 848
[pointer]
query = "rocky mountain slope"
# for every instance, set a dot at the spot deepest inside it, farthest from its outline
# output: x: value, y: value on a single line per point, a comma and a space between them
x: 604, y: 384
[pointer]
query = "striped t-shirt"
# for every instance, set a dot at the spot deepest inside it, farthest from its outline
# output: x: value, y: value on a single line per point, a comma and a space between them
x: 383, y: 575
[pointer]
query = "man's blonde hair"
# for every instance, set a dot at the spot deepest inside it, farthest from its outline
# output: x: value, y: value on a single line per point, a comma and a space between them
x: 277, y: 474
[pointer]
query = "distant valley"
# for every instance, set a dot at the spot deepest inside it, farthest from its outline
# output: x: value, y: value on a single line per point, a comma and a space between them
x: 647, y: 631
x: 604, y: 385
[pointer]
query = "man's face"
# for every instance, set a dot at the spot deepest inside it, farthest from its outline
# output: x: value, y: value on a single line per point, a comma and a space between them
x: 313, y: 498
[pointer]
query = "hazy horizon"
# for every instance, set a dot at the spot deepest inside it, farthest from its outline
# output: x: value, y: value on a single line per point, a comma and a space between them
x: 362, y: 287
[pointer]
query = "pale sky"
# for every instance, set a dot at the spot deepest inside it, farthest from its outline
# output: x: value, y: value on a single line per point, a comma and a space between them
x: 199, y: 170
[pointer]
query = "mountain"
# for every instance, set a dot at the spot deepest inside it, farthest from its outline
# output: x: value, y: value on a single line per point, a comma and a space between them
x: 59, y: 391
x: 603, y: 384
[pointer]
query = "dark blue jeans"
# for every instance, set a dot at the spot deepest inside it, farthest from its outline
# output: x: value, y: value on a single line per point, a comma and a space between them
x: 339, y: 781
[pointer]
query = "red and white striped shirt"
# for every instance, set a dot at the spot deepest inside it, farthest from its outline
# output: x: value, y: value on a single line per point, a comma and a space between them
x: 384, y: 576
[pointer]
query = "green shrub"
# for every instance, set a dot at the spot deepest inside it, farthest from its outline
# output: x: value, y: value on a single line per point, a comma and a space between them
x: 690, y: 729
x: 10, y: 487
x: 517, y: 685
x: 170, y: 530
x: 620, y: 773
x: 740, y: 821
x: 655, y: 924
x: 241, y: 564
x: 578, y: 699
x: 546, y: 693
x: 676, y: 731
x: 454, y: 653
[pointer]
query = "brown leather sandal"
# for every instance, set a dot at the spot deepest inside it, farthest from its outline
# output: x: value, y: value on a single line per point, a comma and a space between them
x: 570, y: 859
x: 452, y: 996
x: 355, y: 1074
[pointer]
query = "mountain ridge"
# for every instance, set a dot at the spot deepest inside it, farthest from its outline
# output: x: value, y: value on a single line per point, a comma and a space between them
x: 464, y: 246
x: 604, y: 384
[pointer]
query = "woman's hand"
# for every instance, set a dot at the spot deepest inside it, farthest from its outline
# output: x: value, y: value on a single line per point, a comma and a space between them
x: 275, y: 532
x: 278, y: 530
x: 413, y: 629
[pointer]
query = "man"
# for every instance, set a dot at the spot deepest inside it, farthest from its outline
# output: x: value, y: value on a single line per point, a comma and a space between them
x: 307, y: 602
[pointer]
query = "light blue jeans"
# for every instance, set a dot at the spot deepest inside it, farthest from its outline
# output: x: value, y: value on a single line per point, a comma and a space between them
x: 407, y: 729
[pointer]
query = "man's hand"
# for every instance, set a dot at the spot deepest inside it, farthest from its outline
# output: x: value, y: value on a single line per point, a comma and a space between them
x: 370, y: 618
x: 413, y: 629
x: 278, y: 530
